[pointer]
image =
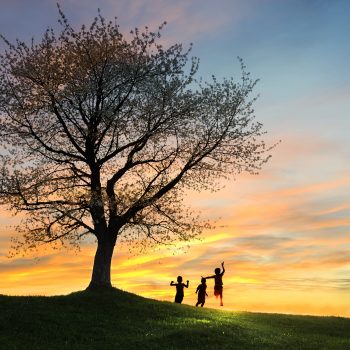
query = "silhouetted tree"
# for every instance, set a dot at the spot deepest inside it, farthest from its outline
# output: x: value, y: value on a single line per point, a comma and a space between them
x: 103, y: 134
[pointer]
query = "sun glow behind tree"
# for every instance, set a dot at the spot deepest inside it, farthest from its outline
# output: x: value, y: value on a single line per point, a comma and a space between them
x: 105, y: 134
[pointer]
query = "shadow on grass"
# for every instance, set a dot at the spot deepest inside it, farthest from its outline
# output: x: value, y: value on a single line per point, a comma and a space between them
x: 119, y: 320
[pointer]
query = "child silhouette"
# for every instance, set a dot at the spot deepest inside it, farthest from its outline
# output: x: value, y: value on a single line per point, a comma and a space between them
x: 218, y: 287
x: 179, y: 289
x: 201, y: 290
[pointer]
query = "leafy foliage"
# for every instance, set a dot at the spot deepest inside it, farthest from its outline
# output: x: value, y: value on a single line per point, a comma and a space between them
x: 104, y: 135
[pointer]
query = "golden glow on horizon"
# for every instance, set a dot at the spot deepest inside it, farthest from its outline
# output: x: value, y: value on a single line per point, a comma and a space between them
x: 278, y: 254
x: 284, y: 235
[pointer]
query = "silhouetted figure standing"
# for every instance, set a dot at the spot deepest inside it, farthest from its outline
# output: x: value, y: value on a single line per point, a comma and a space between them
x: 179, y: 289
x: 218, y: 287
x: 202, y: 292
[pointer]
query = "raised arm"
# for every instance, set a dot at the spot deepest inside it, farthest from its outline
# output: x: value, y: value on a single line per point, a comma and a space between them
x: 223, y: 268
x: 172, y: 283
x: 187, y: 284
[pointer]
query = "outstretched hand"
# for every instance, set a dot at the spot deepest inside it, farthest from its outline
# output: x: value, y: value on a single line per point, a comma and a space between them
x: 222, y: 264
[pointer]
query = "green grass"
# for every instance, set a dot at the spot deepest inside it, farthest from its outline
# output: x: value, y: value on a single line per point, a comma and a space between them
x: 120, y: 320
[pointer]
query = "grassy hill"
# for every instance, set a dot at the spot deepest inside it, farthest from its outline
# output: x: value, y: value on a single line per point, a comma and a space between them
x: 120, y: 320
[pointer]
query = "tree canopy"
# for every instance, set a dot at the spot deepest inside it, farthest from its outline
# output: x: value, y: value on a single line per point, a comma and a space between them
x: 103, y: 134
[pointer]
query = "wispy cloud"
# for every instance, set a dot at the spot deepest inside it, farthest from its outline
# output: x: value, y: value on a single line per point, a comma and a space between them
x: 284, y: 235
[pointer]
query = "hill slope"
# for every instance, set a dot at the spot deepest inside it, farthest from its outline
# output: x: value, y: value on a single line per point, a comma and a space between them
x: 120, y: 320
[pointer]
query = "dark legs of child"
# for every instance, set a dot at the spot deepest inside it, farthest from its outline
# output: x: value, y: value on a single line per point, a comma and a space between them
x: 199, y: 303
x: 179, y: 298
x: 218, y: 293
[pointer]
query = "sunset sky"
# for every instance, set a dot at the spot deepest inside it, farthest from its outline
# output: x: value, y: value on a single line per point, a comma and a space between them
x: 284, y: 234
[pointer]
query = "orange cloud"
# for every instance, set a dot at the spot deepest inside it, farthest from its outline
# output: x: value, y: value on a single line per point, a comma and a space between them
x: 285, y: 246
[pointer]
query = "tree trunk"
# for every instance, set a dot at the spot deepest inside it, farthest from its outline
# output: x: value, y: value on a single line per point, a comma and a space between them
x: 101, y: 272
